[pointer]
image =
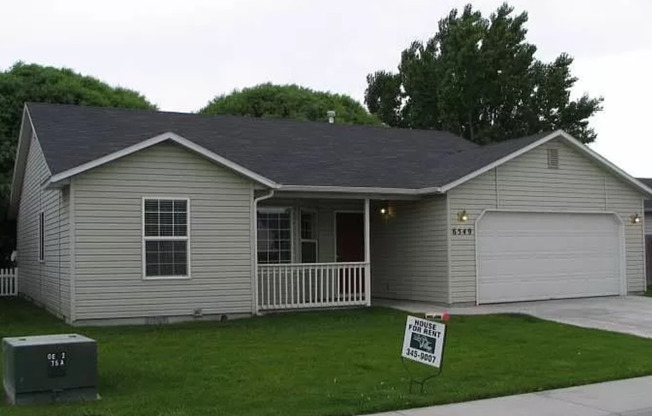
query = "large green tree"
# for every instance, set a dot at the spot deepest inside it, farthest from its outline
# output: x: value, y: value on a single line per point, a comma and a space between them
x: 478, y: 77
x: 23, y: 83
x: 290, y: 101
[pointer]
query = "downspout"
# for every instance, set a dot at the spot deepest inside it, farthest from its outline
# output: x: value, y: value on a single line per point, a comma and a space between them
x: 254, y: 226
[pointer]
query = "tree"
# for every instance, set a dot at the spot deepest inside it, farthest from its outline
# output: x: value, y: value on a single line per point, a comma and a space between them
x: 290, y: 101
x: 30, y: 82
x: 478, y: 78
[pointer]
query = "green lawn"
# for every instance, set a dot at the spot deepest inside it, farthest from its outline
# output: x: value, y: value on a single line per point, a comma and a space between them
x: 324, y: 363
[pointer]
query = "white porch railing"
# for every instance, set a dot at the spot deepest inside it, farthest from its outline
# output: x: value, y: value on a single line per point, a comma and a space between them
x: 313, y: 285
x: 9, y: 282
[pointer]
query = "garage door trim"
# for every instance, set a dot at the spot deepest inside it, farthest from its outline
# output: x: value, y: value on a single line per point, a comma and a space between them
x: 621, y: 236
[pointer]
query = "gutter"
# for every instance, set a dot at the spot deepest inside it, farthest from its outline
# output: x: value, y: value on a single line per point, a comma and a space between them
x: 361, y: 190
x: 254, y: 227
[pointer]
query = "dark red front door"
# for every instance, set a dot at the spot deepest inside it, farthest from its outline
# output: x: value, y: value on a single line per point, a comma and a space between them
x: 350, y: 236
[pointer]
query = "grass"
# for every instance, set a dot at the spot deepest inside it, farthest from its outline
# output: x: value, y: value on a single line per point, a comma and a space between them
x: 324, y: 363
x: 648, y: 292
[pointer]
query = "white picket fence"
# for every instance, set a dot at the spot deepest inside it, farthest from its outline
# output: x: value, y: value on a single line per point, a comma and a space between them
x: 9, y: 282
x: 313, y: 285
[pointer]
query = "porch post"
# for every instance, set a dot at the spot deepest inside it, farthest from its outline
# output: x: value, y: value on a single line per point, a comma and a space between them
x: 367, y: 253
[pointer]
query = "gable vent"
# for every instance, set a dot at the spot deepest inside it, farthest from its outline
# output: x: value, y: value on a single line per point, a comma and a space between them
x: 553, y: 159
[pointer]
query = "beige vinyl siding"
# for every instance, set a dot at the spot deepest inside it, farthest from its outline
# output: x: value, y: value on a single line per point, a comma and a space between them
x: 409, y: 251
x: 47, y: 282
x: 108, y: 237
x: 526, y: 183
x: 625, y: 201
x: 325, y: 209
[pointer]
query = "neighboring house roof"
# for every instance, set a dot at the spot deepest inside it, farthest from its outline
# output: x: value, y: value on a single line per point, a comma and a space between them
x: 648, y: 202
x: 282, y: 154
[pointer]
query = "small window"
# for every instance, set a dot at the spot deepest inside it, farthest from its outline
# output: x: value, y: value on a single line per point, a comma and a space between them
x: 308, y: 236
x: 553, y: 159
x: 274, y: 235
x: 41, y: 236
x: 165, y: 237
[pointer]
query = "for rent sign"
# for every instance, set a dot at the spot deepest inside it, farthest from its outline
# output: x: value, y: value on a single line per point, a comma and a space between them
x: 423, y: 341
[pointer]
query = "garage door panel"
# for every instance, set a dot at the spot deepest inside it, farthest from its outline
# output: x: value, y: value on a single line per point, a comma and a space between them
x: 546, y: 290
x: 529, y: 256
x: 563, y: 253
x: 537, y: 268
x: 558, y: 243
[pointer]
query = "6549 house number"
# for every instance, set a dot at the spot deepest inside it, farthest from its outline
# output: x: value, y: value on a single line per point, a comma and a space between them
x: 462, y: 231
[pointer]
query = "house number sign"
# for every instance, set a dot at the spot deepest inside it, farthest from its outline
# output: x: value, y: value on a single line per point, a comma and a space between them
x: 463, y: 231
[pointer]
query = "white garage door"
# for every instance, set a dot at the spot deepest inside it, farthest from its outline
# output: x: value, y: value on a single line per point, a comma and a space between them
x: 533, y: 256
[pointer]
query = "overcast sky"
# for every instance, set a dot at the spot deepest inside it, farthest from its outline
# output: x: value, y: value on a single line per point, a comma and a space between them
x: 180, y: 54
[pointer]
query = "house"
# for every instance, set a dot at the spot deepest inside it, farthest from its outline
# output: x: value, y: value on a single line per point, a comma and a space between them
x: 136, y: 216
x: 648, y: 232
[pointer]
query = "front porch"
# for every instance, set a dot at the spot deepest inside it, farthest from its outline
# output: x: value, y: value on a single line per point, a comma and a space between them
x: 312, y: 253
x: 313, y: 285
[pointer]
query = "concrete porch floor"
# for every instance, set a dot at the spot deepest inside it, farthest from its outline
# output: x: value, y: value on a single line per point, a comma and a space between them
x: 625, y: 314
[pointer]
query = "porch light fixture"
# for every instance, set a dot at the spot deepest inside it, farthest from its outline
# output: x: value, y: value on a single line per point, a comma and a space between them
x: 385, y: 211
x: 635, y: 218
x: 462, y: 216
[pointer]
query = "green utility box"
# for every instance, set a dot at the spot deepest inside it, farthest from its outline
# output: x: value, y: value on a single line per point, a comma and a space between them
x: 49, y: 368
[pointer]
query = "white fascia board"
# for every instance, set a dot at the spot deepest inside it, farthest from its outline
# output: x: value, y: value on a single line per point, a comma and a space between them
x: 500, y: 161
x: 349, y: 189
x: 615, y: 169
x: 55, y: 179
x: 20, y: 164
x: 554, y: 135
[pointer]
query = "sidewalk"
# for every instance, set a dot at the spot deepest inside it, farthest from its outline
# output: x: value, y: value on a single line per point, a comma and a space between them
x: 631, y: 397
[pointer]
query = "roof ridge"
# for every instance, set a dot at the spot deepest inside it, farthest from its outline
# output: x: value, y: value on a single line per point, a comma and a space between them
x: 239, y: 117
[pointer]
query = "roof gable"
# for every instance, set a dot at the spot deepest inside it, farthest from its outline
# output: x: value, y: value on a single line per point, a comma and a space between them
x: 510, y: 150
x: 169, y: 136
x: 284, y: 151
x: 22, y: 152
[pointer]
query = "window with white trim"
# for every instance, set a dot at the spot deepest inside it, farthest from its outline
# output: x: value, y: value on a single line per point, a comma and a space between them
x: 274, y: 235
x: 165, y: 237
x: 308, y: 236
x: 41, y: 236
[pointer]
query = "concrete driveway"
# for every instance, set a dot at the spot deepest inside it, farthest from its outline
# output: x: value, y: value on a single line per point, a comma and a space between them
x: 626, y: 314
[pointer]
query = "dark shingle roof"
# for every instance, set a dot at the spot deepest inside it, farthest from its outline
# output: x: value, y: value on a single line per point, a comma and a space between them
x: 648, y: 202
x: 286, y: 151
x: 460, y: 164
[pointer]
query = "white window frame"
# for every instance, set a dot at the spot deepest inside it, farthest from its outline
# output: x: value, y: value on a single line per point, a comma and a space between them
x: 165, y: 238
x: 315, y: 233
x: 41, y: 237
x: 263, y: 208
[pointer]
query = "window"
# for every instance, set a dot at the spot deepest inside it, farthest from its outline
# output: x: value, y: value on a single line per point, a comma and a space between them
x: 308, y: 236
x: 274, y: 235
x: 41, y: 236
x: 165, y: 235
x: 553, y: 159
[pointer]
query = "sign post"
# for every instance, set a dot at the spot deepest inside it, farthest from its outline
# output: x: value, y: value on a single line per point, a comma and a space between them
x: 423, y: 342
